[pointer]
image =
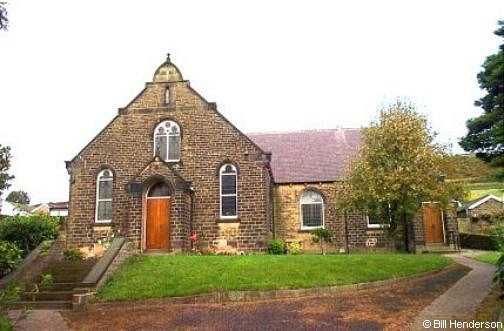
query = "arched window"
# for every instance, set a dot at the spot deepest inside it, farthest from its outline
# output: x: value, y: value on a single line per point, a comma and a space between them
x: 159, y: 190
x: 167, y: 96
x: 228, y: 191
x: 311, y: 210
x: 167, y: 141
x: 104, y: 183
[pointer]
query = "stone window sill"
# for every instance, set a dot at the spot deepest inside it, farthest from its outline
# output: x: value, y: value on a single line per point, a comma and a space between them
x: 228, y: 220
x: 98, y: 225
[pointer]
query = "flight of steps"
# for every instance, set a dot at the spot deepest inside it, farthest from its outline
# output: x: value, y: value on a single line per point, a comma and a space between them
x: 66, y: 276
x: 440, y: 248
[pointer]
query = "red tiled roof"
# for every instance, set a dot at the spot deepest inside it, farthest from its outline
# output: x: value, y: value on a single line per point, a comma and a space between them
x: 309, y: 156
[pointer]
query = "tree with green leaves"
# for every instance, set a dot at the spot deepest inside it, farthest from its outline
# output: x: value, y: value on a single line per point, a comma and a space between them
x: 399, y: 166
x: 5, y: 157
x: 486, y: 132
x: 20, y: 197
x: 321, y: 236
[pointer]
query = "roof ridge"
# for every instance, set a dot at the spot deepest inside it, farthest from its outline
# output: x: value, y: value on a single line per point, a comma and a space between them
x: 301, y: 131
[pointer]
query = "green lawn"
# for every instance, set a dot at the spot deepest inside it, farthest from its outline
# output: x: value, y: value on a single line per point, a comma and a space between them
x: 164, y: 276
x: 490, y: 257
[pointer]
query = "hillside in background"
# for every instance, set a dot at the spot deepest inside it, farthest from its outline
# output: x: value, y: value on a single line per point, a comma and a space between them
x: 480, y: 178
x: 470, y: 168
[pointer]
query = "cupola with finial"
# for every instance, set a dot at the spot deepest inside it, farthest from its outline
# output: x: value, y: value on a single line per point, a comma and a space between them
x: 167, y: 72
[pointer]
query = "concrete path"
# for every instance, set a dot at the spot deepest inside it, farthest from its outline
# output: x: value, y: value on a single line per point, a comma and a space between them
x: 462, y: 299
x: 38, y: 320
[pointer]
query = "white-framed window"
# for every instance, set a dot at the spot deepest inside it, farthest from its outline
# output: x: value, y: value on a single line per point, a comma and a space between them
x: 228, y: 191
x: 311, y: 207
x: 104, y: 184
x: 167, y: 96
x: 373, y: 222
x: 167, y: 141
x: 380, y: 221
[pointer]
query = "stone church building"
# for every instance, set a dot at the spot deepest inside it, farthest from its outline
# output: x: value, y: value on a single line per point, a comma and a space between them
x: 169, y: 165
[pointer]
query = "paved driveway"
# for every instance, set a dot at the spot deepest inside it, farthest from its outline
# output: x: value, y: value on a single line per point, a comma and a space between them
x: 392, y: 307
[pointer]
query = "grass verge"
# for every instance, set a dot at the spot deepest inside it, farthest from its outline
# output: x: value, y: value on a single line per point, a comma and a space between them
x: 5, y: 324
x: 490, y: 257
x: 165, y: 276
x: 490, y: 308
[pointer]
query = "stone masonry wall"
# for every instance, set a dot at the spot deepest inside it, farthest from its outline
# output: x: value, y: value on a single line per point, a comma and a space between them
x: 288, y: 224
x: 208, y: 140
x: 486, y: 209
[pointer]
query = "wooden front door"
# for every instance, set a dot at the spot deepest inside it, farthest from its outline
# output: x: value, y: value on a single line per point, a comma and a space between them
x: 433, y: 223
x: 158, y: 223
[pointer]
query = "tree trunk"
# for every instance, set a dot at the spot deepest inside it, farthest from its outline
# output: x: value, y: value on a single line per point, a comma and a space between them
x: 406, y: 232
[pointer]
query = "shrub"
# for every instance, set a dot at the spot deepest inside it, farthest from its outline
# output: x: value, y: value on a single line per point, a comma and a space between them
x: 480, y: 241
x: 8, y: 296
x: 10, y: 255
x: 27, y: 232
x: 46, y: 281
x: 276, y: 247
x: 321, y: 236
x: 72, y: 254
x: 294, y: 248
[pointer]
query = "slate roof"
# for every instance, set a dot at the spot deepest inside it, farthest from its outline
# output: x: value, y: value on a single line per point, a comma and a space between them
x: 309, y: 156
x: 476, y: 202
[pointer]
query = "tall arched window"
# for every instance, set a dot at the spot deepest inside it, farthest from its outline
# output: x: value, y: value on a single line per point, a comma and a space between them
x: 104, y: 183
x: 228, y: 191
x: 311, y: 210
x: 167, y: 141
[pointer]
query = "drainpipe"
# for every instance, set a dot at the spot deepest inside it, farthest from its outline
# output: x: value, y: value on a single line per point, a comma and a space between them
x: 191, y: 213
x: 347, y: 247
x: 273, y: 201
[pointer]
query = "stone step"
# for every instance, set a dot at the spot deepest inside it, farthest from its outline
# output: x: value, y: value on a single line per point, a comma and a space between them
x: 66, y: 279
x: 37, y: 305
x: 47, y: 296
x: 448, y: 251
x: 61, y: 286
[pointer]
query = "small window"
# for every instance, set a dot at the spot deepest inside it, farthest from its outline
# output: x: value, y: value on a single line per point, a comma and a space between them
x: 373, y: 222
x: 381, y: 218
x: 228, y: 191
x: 104, y: 184
x: 167, y: 96
x: 167, y: 141
x: 312, y: 210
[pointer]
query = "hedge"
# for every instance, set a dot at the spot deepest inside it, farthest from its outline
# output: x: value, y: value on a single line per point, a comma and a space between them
x: 480, y: 241
x: 10, y: 256
x: 27, y: 232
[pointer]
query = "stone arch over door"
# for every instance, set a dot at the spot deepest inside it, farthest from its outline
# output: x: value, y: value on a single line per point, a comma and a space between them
x: 158, y: 207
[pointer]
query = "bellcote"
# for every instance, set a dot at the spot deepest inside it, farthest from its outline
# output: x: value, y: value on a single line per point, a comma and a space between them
x: 167, y: 72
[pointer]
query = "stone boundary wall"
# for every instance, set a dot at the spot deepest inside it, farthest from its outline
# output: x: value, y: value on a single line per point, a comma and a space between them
x: 118, y: 252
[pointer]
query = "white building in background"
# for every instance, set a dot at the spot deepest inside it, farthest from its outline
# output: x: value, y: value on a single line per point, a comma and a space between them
x: 10, y: 209
x: 58, y: 209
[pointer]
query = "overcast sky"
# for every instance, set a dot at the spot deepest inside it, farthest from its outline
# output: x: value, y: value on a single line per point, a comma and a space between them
x: 67, y: 66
